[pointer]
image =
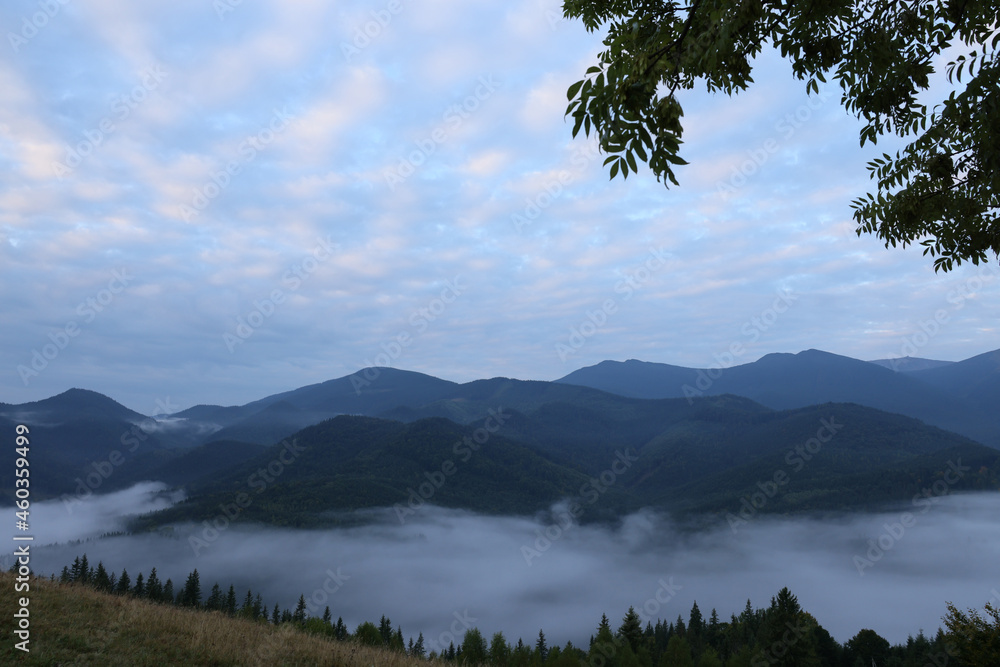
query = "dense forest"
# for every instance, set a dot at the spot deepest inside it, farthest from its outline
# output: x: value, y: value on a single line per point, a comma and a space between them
x: 780, y: 634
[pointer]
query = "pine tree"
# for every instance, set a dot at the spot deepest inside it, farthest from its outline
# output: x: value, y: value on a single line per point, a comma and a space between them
x: 168, y: 592
x: 124, y: 583
x: 259, y: 609
x: 191, y: 595
x: 65, y: 577
x: 84, y: 570
x: 275, y: 615
x: 74, y: 574
x: 230, y: 607
x: 418, y: 648
x: 246, y: 609
x: 215, y: 600
x: 540, y: 647
x: 300, y: 610
x: 341, y: 632
x: 140, y: 587
x: 327, y: 617
x: 631, y: 629
x: 154, y: 589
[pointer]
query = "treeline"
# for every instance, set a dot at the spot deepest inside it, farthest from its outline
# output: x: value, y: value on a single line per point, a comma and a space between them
x: 782, y: 634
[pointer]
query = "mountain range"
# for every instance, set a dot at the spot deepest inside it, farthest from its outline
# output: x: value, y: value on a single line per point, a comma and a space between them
x: 816, y: 431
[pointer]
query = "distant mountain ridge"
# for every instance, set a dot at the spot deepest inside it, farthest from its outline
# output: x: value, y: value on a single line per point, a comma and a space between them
x: 954, y: 396
x: 703, y: 434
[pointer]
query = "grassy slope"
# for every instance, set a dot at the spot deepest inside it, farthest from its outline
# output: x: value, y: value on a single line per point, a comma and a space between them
x: 76, y: 625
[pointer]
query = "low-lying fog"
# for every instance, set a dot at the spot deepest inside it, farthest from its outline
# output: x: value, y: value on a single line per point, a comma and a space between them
x: 443, y: 565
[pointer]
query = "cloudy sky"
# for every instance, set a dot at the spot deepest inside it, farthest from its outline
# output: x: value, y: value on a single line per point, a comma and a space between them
x: 211, y: 201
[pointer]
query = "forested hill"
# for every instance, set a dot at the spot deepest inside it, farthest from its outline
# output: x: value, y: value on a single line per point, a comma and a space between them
x: 708, y: 458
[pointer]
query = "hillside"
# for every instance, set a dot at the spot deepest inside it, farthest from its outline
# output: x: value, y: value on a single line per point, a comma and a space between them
x: 72, y: 624
x: 704, y: 457
x: 350, y: 463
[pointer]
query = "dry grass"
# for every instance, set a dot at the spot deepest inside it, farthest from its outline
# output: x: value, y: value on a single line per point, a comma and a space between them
x: 75, y: 625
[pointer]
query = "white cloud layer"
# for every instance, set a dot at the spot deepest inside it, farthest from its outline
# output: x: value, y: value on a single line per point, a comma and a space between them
x: 205, y: 151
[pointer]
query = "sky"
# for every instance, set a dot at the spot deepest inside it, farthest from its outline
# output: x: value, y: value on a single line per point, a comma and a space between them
x: 210, y: 201
x: 446, y: 570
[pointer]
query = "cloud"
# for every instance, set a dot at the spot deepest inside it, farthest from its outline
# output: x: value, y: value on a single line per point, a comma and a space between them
x: 519, y: 575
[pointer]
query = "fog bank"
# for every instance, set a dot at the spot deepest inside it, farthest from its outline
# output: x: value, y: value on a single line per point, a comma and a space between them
x: 444, y: 569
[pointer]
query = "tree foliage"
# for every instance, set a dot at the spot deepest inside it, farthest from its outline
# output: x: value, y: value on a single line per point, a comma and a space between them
x: 941, y: 191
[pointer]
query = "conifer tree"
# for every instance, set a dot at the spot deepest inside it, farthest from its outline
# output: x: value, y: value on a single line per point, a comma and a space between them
x: 246, y: 609
x: 124, y: 583
x: 154, y: 589
x: 101, y: 581
x: 418, y: 648
x: 65, y: 577
x: 541, y: 648
x: 275, y: 615
x: 215, y: 601
x: 140, y: 587
x: 677, y: 654
x: 631, y: 629
x: 85, y: 570
x: 259, y: 608
x: 327, y: 616
x: 191, y: 595
x: 168, y: 592
x: 300, y: 610
x: 230, y: 607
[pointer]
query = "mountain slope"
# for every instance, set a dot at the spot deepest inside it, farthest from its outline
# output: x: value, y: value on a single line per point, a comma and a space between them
x: 350, y: 463
x: 976, y: 380
x: 785, y: 381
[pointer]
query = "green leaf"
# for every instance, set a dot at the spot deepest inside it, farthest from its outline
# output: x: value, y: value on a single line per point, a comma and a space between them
x: 574, y: 89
